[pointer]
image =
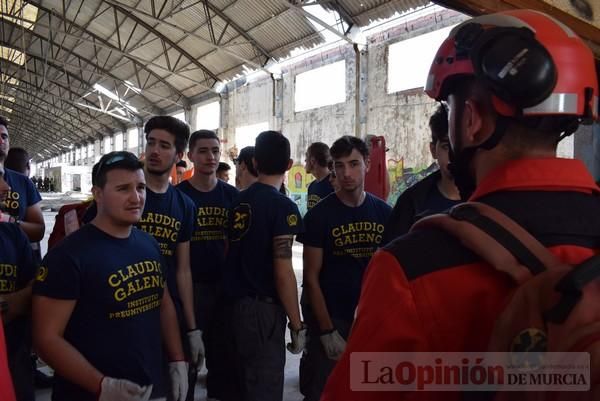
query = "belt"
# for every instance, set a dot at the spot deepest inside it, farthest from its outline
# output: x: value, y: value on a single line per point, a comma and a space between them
x: 265, y: 299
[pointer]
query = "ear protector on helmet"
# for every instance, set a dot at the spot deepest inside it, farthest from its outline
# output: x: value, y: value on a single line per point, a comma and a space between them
x: 510, y: 61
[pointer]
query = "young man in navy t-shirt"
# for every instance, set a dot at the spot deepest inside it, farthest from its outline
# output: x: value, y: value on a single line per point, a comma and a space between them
x: 260, y: 278
x: 22, y: 204
x: 213, y: 198
x: 342, y: 233
x: 17, y: 271
x: 317, y: 163
x: 100, y: 301
x: 435, y: 193
x: 169, y: 217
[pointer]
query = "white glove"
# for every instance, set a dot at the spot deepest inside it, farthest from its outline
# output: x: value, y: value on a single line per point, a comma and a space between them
x: 333, y: 344
x: 178, y: 372
x: 196, y: 347
x: 298, y: 340
x: 112, y: 389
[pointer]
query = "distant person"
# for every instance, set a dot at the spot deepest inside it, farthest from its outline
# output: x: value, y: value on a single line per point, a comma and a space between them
x: 434, y: 193
x: 101, y: 301
x: 317, y: 163
x: 223, y: 171
x: 17, y: 160
x: 180, y: 168
x: 245, y: 172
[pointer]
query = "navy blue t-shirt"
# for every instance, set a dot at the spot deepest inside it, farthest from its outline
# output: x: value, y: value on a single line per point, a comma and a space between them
x: 435, y: 203
x: 317, y: 190
x: 118, y: 285
x: 348, y: 236
x: 169, y: 218
x: 260, y: 213
x: 22, y: 194
x: 17, y: 269
x: 207, y: 245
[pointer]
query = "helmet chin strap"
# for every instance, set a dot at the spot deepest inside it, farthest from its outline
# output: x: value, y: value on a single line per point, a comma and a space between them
x: 461, y: 158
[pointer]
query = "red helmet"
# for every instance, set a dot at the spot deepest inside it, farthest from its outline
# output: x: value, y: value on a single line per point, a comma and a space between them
x: 532, y: 63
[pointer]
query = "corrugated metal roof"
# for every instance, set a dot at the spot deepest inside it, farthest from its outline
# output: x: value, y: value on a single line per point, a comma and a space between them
x: 170, y: 54
x: 364, y: 12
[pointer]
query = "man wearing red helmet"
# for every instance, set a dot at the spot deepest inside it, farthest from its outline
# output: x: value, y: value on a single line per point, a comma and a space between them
x: 514, y: 83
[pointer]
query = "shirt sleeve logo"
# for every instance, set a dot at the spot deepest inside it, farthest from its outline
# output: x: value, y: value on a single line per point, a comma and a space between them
x: 240, y: 222
x: 42, y: 273
x: 292, y: 220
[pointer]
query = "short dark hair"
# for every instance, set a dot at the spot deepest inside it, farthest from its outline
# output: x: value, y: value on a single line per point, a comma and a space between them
x: 181, y: 163
x: 246, y: 155
x: 320, y: 152
x: 3, y: 121
x: 272, y: 153
x: 179, y: 129
x: 17, y: 159
x: 346, y: 144
x: 202, y: 134
x: 223, y: 167
x: 438, y: 124
x: 111, y: 161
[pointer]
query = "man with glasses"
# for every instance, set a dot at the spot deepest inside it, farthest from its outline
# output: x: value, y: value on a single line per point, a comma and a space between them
x: 100, y: 301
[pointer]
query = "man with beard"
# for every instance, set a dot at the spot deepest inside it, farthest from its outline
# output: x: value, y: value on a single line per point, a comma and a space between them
x: 169, y: 217
x: 427, y: 292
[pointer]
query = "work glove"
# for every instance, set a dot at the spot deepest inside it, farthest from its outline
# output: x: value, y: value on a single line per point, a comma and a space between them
x: 112, y: 389
x: 196, y: 347
x: 333, y: 344
x: 178, y: 372
x: 298, y: 339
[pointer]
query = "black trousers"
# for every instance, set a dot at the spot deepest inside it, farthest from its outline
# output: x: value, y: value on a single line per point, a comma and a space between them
x: 209, y: 318
x: 318, y: 366
x: 18, y: 344
x: 258, y: 329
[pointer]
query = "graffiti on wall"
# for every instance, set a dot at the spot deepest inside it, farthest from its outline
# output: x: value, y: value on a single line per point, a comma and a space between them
x: 297, y: 184
x: 402, y: 178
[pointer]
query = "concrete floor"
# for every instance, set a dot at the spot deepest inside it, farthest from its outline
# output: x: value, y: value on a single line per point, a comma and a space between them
x: 50, y: 204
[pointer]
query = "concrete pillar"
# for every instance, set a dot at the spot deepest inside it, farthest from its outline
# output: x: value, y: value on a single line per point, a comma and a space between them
x: 141, y: 140
x: 277, y: 103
